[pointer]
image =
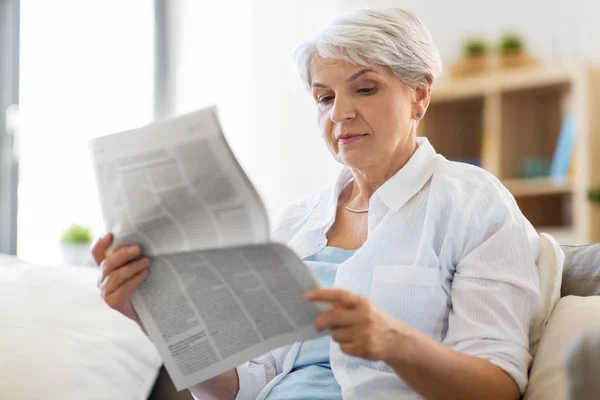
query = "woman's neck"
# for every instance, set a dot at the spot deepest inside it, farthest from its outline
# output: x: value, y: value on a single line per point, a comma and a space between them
x: 367, y: 181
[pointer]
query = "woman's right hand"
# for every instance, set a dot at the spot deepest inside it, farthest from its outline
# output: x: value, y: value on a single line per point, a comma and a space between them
x: 122, y: 271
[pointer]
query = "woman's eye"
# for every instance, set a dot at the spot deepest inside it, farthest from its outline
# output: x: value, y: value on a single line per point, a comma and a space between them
x: 325, y: 99
x: 366, y: 90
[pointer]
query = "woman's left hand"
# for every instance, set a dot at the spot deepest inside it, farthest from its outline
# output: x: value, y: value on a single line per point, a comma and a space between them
x: 359, y: 326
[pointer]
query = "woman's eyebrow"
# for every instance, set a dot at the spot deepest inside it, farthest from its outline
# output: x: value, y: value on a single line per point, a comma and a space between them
x: 360, y: 73
x: 353, y: 77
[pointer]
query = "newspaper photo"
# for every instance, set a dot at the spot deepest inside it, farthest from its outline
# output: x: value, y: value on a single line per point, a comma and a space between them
x: 218, y: 293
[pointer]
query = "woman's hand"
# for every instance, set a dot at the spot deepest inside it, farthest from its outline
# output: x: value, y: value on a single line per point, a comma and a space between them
x: 360, y: 327
x: 122, y: 271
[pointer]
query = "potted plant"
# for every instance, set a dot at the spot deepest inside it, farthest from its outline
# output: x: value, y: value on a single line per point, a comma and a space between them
x: 75, y: 245
x: 475, y: 58
x: 512, y: 51
x: 594, y: 196
x: 475, y: 48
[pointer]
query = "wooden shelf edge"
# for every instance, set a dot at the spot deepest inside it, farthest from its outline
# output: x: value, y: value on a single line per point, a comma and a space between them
x: 506, y: 81
x: 537, y: 187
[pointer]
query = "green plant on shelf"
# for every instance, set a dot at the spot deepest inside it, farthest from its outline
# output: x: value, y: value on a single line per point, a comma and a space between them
x: 77, y: 234
x: 475, y: 47
x: 511, y: 43
x: 594, y: 196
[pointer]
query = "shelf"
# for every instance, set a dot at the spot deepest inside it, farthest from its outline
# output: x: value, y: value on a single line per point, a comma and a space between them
x: 537, y: 187
x: 503, y: 81
x: 454, y: 129
x: 547, y: 209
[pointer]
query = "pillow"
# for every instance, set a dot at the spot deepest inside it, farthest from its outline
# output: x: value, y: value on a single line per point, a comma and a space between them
x: 583, y: 366
x: 59, y: 340
x: 550, y: 267
x: 572, y: 317
x: 581, y: 275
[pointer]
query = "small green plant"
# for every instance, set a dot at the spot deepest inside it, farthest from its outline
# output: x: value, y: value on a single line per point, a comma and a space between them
x: 511, y: 43
x: 77, y: 234
x: 594, y: 196
x: 475, y: 47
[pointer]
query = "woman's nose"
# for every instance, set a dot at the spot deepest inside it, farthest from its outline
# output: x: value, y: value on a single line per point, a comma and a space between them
x: 342, y: 110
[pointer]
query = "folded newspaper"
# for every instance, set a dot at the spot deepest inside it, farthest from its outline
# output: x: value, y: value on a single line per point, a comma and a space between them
x: 218, y: 292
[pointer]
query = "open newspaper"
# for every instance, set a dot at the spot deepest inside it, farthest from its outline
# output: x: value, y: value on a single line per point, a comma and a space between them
x: 218, y: 293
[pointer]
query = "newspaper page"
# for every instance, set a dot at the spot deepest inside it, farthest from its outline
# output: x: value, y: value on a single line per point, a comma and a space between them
x: 175, y: 186
x: 209, y: 311
x: 217, y: 293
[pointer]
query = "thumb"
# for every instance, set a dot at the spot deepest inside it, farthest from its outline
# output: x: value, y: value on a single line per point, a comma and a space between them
x: 101, y: 246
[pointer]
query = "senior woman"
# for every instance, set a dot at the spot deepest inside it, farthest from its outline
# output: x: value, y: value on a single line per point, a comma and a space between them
x: 429, y: 263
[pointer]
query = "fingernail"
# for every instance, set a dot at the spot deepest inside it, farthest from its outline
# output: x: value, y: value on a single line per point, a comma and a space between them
x: 309, y: 295
x: 133, y: 250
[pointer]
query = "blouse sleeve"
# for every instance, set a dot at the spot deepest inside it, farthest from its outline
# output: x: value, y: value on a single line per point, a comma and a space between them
x: 495, y: 290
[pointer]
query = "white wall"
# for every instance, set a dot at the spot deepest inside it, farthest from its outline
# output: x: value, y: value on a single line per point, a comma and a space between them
x: 293, y: 159
x: 553, y: 28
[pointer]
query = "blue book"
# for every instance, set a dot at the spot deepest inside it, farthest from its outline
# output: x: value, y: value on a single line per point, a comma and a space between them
x: 559, y: 170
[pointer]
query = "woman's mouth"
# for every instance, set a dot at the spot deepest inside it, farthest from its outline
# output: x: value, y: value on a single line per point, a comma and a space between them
x: 348, y: 138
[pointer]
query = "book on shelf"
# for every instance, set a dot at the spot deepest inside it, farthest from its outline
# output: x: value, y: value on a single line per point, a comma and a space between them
x: 562, y: 163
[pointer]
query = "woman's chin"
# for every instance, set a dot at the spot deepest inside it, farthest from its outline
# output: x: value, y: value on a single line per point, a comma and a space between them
x: 354, y: 159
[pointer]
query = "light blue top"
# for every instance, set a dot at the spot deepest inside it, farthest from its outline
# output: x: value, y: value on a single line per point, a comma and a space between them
x: 311, y: 377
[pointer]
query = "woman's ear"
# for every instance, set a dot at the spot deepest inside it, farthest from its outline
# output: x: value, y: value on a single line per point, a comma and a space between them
x: 422, y: 96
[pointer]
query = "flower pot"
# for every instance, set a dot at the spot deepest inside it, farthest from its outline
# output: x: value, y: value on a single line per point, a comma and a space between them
x: 469, y: 66
x: 77, y: 254
x: 516, y: 60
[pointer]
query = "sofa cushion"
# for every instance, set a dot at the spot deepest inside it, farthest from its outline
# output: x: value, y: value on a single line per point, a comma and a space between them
x: 550, y: 265
x: 572, y: 317
x: 583, y: 365
x: 581, y: 272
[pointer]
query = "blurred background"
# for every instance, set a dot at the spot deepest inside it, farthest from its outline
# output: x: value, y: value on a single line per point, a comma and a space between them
x: 519, y: 97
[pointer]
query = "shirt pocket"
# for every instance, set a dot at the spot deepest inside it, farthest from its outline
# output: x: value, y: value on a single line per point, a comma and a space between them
x: 412, y: 294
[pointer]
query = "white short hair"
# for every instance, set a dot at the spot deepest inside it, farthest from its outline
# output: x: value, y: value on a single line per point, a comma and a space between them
x: 388, y: 36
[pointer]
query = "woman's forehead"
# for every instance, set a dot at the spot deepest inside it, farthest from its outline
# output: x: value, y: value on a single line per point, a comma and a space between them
x: 323, y: 68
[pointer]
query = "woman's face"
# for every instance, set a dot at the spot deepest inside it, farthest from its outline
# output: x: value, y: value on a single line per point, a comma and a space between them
x: 365, y: 114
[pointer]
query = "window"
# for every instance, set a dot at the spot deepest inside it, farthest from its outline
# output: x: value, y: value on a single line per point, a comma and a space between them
x: 86, y: 70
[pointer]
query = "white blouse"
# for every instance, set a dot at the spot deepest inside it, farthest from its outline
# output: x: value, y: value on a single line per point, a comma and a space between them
x: 448, y: 252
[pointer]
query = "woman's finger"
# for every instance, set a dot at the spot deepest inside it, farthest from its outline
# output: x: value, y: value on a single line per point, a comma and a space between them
x: 346, y: 335
x: 338, y: 296
x: 118, y: 278
x: 337, y: 318
x: 122, y: 296
x: 119, y: 258
x: 100, y: 247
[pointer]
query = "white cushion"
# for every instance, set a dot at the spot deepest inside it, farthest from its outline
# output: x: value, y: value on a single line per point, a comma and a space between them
x: 550, y: 266
x: 58, y: 339
x: 572, y: 317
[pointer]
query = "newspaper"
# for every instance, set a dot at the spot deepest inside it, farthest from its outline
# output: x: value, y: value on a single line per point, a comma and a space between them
x: 218, y: 293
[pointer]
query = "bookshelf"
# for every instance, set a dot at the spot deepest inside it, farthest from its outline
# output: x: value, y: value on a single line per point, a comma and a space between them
x: 510, y: 122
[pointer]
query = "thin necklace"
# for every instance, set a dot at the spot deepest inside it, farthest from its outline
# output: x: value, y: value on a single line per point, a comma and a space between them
x: 356, y: 211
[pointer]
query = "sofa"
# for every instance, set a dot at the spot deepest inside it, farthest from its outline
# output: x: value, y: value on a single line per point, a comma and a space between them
x: 59, y: 340
x: 574, y: 375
